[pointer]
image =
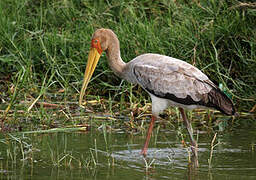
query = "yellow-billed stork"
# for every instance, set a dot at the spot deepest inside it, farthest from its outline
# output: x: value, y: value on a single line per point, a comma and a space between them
x: 168, y: 81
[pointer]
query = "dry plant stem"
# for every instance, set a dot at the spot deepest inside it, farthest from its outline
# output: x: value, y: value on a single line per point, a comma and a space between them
x: 212, y: 147
x: 49, y: 105
x: 253, y: 109
x: 4, y: 116
x: 190, y: 131
x: 245, y: 5
x: 145, y: 148
x: 148, y: 165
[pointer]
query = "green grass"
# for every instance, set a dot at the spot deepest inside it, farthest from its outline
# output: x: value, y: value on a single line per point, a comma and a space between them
x: 44, y: 47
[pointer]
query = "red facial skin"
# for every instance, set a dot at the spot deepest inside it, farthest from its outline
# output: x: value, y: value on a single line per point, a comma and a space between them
x: 96, y: 44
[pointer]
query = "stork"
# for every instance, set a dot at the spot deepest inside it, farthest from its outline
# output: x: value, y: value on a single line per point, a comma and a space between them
x: 168, y: 81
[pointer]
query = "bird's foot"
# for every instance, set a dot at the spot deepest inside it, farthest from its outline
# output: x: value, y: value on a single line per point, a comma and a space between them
x: 144, y: 152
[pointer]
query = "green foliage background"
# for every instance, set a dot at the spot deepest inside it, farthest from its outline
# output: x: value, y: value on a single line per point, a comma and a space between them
x: 44, y: 44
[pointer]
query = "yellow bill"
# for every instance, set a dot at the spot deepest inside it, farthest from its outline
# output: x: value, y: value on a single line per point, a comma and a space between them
x: 93, y: 59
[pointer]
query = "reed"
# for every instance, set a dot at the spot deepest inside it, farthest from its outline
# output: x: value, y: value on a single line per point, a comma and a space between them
x: 44, y: 46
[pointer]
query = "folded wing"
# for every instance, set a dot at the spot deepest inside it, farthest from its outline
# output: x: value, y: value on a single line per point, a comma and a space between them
x: 178, y: 81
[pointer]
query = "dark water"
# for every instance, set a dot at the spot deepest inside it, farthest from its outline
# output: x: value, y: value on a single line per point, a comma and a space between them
x: 91, y: 155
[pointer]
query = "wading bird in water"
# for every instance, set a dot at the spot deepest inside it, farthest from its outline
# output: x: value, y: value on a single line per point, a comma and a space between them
x: 168, y: 81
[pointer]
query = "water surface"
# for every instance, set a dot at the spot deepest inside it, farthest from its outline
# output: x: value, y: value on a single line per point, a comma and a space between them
x: 91, y: 155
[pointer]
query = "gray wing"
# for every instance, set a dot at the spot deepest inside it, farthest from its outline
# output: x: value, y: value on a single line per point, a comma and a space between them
x: 170, y: 78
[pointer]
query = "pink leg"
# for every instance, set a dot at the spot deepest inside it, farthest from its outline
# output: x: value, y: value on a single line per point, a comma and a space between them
x: 145, y: 148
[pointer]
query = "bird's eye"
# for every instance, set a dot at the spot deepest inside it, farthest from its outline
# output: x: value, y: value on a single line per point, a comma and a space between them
x: 95, y: 43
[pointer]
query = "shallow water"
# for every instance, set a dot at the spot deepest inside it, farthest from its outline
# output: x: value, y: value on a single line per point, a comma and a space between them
x: 91, y: 155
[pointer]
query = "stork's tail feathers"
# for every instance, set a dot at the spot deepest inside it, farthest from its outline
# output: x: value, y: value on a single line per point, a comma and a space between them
x: 220, y: 101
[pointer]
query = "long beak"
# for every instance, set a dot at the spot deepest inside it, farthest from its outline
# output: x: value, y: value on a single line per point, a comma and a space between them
x: 93, y: 59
